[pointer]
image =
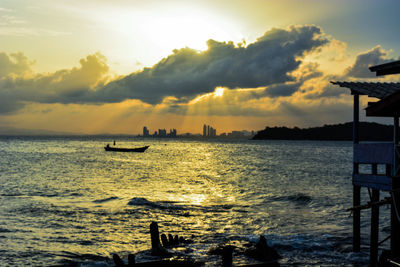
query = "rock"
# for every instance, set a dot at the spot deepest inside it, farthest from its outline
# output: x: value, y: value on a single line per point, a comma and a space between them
x: 131, y: 260
x: 262, y: 252
x: 227, y: 256
x: 117, y: 260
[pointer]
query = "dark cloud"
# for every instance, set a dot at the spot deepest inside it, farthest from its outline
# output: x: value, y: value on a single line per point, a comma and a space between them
x: 375, y: 56
x: 285, y: 89
x: 188, y: 73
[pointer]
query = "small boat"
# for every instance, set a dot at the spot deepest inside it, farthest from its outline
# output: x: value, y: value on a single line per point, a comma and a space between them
x: 119, y: 149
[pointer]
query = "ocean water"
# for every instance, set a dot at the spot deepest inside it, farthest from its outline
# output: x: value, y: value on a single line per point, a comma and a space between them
x: 65, y: 201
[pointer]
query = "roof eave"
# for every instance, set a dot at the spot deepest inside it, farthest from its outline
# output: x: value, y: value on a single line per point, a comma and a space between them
x: 387, y: 107
x: 386, y: 69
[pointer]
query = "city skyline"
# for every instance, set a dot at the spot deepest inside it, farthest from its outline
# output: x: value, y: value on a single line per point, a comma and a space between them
x: 208, y: 132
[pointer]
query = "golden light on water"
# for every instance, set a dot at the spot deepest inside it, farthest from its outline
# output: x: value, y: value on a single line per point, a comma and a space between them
x: 192, y: 199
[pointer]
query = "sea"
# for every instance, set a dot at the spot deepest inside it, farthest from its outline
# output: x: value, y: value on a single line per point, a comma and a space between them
x: 65, y: 201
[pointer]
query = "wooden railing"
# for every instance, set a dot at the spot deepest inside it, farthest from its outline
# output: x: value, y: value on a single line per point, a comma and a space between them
x: 374, y: 154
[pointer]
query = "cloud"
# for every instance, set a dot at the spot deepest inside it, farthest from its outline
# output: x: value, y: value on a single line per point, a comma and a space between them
x: 322, y: 87
x: 375, y: 56
x: 188, y: 73
x: 17, y: 64
x: 64, y: 86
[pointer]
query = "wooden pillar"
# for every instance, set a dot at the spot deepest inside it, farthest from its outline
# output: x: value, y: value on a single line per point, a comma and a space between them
x: 395, y: 224
x: 396, y: 130
x: 356, y: 117
x: 373, y: 249
x: 155, y: 238
x: 356, y: 189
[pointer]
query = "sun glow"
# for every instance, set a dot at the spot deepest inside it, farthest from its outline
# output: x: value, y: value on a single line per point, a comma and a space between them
x: 163, y: 29
x: 219, y: 91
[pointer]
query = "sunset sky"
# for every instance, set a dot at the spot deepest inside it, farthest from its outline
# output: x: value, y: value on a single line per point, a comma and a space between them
x: 98, y: 66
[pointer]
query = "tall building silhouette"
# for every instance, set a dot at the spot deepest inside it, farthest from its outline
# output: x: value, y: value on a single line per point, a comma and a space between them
x: 145, y: 131
x: 209, y: 131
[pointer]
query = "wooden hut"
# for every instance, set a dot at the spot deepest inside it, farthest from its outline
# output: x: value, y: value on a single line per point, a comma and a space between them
x: 374, y: 154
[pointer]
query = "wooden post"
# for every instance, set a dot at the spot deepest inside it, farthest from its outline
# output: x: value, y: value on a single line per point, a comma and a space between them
x: 356, y: 117
x: 396, y: 130
x: 356, y: 189
x: 155, y: 238
x: 395, y: 224
x: 373, y: 249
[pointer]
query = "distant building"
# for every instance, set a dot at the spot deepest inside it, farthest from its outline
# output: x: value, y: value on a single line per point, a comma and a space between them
x: 146, y: 132
x: 209, y: 131
x: 162, y: 133
x: 213, y: 132
x: 172, y: 133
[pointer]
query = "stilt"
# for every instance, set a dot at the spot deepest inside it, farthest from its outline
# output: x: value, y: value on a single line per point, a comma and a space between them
x: 395, y: 225
x: 373, y: 258
x: 395, y: 210
x: 356, y: 189
x: 356, y: 219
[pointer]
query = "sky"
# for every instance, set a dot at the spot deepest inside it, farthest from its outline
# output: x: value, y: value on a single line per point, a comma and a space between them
x: 98, y: 66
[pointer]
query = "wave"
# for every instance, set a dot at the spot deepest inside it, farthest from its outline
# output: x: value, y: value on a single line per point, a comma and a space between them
x: 172, y: 205
x: 104, y: 200
x: 3, y: 230
x: 298, y: 198
x: 140, y: 201
x: 321, y: 250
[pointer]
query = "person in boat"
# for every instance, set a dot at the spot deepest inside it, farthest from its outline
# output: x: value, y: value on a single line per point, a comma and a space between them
x: 114, y: 142
x: 108, y: 145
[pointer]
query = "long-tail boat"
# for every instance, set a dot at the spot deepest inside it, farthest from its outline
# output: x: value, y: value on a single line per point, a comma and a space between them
x: 120, y: 149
